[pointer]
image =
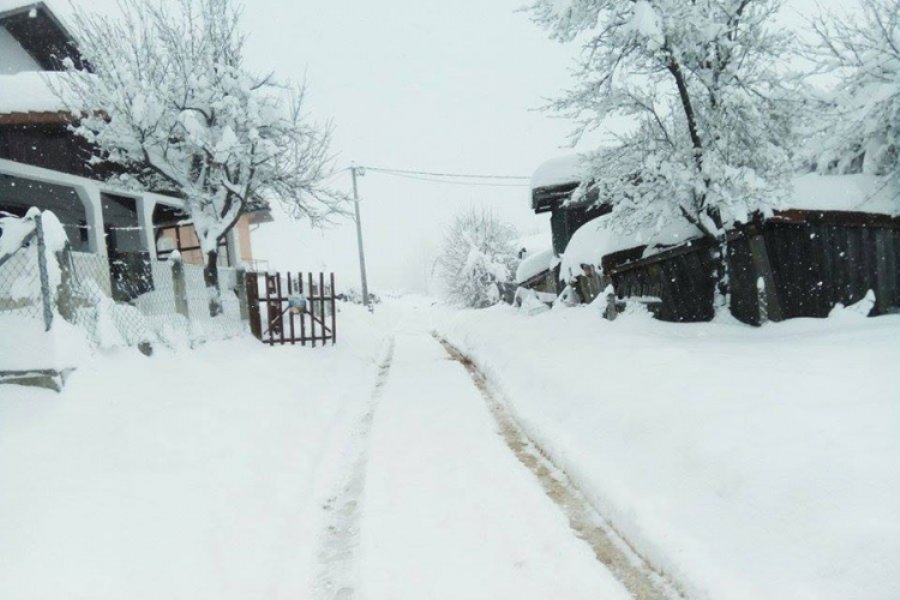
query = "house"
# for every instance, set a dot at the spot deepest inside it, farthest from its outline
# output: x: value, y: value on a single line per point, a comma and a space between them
x: 44, y: 164
x: 836, y: 240
x: 552, y: 188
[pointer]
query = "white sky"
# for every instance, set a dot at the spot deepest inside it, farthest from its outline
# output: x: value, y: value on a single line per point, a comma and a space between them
x: 414, y: 84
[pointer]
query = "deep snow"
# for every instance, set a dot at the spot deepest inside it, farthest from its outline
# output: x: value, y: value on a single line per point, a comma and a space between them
x: 191, y: 474
x: 747, y: 463
x: 448, y: 510
x: 744, y: 463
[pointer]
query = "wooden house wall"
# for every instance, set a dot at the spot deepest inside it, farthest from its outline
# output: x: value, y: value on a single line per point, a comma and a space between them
x: 564, y: 222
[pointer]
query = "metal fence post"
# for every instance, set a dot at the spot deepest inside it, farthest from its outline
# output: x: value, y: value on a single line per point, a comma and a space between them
x: 46, y: 292
x: 241, y: 290
x: 65, y: 301
x: 179, y: 287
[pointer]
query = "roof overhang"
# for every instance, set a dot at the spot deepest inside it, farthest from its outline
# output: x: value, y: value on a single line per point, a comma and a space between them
x: 36, y: 118
x: 42, y: 35
x: 547, y: 199
x: 258, y: 217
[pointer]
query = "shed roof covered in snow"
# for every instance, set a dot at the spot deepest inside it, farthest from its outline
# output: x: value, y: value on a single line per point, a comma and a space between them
x: 554, y: 181
x: 598, y: 238
x: 534, y: 264
x: 558, y: 171
x: 40, y: 33
x: 852, y: 193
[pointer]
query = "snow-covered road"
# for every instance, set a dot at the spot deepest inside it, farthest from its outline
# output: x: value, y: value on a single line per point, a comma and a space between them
x: 448, y: 511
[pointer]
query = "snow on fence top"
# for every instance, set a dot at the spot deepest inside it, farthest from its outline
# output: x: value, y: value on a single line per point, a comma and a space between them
x: 31, y: 91
x: 558, y: 171
x: 534, y: 264
x: 596, y: 238
x: 855, y: 193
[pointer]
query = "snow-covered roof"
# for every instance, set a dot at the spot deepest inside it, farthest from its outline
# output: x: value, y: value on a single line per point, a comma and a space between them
x: 535, y: 263
x: 11, y: 5
x: 596, y: 238
x: 31, y: 92
x: 558, y: 171
x: 535, y: 242
x: 855, y: 193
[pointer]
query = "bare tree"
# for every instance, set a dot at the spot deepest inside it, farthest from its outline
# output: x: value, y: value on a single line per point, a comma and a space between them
x: 478, y: 253
x: 168, y: 98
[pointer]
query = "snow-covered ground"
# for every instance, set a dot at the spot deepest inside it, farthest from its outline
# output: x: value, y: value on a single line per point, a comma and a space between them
x: 191, y: 474
x: 746, y: 463
x: 448, y: 511
x: 372, y: 469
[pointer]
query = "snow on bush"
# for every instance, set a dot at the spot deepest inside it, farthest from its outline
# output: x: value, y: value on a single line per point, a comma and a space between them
x: 479, y: 252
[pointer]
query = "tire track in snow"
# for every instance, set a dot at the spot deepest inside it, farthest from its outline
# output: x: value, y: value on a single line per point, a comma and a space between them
x: 640, y: 578
x: 337, y: 578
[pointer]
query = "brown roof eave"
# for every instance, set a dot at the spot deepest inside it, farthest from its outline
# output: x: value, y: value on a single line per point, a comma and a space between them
x: 60, y: 117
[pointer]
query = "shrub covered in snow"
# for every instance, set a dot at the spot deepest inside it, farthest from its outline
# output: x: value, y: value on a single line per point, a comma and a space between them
x: 479, y: 254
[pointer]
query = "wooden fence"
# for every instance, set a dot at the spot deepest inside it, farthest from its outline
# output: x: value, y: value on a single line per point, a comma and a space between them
x: 796, y: 264
x: 286, y: 309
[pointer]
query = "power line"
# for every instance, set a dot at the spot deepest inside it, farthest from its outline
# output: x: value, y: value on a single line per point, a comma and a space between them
x: 452, y: 175
x: 404, y: 175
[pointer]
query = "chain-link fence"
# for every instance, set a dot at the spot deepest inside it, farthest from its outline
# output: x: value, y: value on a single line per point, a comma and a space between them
x: 20, y: 285
x: 172, y: 308
x: 25, y: 304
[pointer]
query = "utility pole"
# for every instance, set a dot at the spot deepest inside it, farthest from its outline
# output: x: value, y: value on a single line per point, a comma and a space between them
x: 355, y: 170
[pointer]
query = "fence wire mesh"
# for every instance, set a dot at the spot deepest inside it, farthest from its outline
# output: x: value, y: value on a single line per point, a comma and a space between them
x: 175, y: 309
x: 81, y: 290
x: 20, y: 285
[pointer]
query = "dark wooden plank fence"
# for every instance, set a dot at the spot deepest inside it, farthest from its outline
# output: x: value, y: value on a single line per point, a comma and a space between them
x: 796, y: 264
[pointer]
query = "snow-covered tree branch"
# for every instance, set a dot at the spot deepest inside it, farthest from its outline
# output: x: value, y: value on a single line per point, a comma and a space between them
x: 170, y: 100
x: 478, y: 253
x: 704, y: 84
x: 861, y: 128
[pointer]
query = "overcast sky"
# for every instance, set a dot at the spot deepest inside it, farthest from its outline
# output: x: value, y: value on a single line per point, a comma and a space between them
x: 414, y: 84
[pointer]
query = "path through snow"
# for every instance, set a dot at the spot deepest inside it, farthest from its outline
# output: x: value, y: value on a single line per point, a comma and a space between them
x: 448, y: 511
x: 338, y: 573
x: 640, y: 577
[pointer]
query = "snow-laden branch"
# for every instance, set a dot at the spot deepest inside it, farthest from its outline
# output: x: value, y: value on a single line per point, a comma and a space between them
x: 170, y: 102
x: 703, y: 82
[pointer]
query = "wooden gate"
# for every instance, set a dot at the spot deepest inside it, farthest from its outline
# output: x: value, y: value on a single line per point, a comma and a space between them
x: 286, y: 309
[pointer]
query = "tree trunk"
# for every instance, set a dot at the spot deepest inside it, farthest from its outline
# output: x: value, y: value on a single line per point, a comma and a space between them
x: 211, y: 279
x: 722, y: 302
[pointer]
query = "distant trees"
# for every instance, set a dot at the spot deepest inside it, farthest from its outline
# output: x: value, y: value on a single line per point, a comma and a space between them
x: 478, y: 253
x: 861, y: 131
x: 170, y: 99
